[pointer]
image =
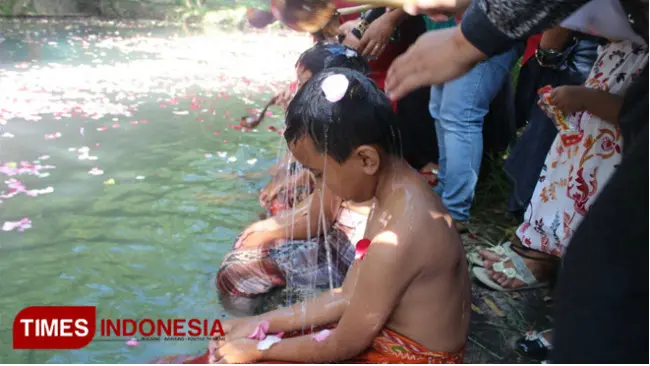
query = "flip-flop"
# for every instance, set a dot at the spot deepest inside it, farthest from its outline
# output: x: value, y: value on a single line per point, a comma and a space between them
x: 482, y: 275
x: 476, y: 259
x: 519, y: 271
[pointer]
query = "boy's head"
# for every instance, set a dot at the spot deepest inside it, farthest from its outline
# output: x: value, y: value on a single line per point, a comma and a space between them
x: 342, y: 127
x: 325, y: 55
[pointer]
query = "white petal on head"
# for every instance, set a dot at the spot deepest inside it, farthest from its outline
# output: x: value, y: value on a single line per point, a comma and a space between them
x: 335, y: 86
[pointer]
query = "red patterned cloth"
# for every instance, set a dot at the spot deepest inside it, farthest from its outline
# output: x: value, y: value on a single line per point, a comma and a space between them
x: 388, y: 347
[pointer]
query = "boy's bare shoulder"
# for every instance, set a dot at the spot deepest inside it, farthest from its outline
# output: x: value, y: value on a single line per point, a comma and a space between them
x: 421, y: 223
x: 418, y: 207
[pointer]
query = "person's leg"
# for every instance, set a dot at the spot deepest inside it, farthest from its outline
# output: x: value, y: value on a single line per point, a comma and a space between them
x: 465, y: 102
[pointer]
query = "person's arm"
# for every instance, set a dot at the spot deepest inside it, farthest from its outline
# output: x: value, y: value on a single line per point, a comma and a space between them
x: 376, y: 284
x: 555, y: 39
x: 378, y: 34
x: 494, y: 26
x: 577, y: 98
x: 604, y: 105
x: 325, y: 308
x: 303, y: 222
x: 396, y: 16
x: 488, y: 27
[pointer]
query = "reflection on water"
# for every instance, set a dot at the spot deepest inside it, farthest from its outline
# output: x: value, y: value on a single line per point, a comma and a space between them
x: 117, y: 144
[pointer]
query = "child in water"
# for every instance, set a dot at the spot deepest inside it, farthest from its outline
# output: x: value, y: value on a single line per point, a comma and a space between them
x: 311, y: 246
x: 287, y: 189
x: 406, y: 297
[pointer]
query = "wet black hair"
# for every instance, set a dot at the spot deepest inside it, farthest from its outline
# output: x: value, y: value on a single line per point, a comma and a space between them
x: 324, y: 55
x: 364, y: 116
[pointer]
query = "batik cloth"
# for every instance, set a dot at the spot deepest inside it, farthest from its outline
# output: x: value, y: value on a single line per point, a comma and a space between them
x: 583, y: 155
x: 318, y: 262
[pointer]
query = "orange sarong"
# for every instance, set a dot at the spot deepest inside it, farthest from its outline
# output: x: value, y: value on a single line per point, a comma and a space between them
x: 387, y: 347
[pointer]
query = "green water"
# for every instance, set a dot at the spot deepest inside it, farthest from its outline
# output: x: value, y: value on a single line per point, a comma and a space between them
x: 147, y: 246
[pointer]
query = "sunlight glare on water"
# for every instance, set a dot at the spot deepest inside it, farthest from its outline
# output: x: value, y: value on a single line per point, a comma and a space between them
x: 123, y: 179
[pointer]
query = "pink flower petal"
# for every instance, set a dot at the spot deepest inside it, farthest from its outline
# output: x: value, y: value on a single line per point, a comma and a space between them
x: 260, y: 331
x: 322, y: 335
x: 361, y: 249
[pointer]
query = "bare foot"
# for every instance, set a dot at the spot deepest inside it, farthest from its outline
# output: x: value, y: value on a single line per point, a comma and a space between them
x: 542, y: 266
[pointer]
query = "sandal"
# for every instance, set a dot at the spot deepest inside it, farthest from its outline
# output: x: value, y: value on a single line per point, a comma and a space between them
x: 476, y: 259
x: 519, y: 271
x: 534, y: 345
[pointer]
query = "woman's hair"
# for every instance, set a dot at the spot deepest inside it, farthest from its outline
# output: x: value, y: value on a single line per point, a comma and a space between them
x: 324, y: 55
x: 362, y: 116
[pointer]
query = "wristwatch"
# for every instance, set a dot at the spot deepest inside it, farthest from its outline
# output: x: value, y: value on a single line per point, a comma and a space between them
x: 367, y: 18
x: 552, y: 58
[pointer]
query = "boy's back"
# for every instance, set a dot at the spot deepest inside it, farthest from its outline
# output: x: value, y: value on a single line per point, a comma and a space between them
x: 415, y: 230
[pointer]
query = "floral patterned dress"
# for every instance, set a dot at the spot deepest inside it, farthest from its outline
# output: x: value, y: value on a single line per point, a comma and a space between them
x: 583, y: 156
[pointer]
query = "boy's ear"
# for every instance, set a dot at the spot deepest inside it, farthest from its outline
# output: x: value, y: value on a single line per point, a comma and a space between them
x: 369, y: 159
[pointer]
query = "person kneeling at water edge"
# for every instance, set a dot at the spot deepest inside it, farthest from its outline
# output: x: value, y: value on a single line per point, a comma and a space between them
x: 406, y: 298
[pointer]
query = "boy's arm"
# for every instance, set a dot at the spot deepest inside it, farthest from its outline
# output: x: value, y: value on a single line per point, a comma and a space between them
x: 376, y: 285
x: 299, y: 224
x: 303, y: 222
x: 323, y: 309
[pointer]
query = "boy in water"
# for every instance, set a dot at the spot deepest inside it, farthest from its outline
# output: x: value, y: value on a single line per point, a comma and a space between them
x: 406, y: 297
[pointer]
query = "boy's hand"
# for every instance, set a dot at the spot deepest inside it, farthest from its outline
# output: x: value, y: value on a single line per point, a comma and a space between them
x: 255, y: 240
x: 238, y: 328
x: 376, y: 37
x: 258, y: 233
x: 569, y: 98
x: 241, y: 350
x: 270, y: 192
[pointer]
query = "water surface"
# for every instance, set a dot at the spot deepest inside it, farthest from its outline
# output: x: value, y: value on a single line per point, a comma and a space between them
x: 118, y: 142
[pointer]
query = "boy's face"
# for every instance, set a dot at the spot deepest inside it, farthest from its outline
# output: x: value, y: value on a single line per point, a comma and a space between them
x: 355, y: 179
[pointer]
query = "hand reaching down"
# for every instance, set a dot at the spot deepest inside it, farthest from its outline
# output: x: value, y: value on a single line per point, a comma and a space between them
x: 241, y: 350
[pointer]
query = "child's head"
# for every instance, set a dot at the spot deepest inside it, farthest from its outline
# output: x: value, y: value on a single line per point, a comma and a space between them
x: 325, y: 55
x: 343, y: 128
